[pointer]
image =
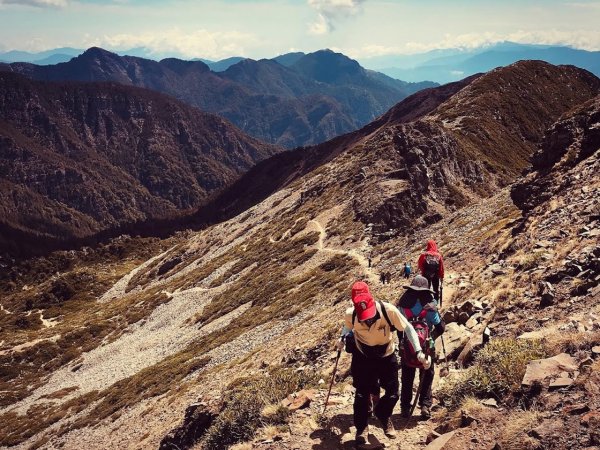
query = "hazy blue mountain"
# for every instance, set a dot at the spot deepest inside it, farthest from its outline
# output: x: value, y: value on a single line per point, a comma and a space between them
x: 289, y: 59
x: 449, y: 65
x: 53, y: 59
x: 224, y: 64
x: 21, y: 56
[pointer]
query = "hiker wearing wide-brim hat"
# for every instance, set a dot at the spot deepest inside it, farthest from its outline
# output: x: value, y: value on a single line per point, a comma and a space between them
x: 419, y: 283
x: 418, y: 305
x: 368, y: 331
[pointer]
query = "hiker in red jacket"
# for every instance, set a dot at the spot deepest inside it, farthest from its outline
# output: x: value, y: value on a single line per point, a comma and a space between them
x: 431, y: 265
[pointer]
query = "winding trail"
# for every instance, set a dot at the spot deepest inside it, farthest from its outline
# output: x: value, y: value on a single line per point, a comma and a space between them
x: 373, y: 278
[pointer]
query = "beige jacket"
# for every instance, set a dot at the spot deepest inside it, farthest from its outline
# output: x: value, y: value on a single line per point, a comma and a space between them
x: 380, y: 333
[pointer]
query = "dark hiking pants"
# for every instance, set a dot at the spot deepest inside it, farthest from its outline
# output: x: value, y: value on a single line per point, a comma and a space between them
x: 408, y: 377
x: 367, y: 375
x: 434, y: 282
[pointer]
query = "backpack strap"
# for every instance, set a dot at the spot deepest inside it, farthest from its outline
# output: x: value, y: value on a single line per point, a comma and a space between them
x: 385, y: 315
x: 422, y: 314
x: 387, y: 319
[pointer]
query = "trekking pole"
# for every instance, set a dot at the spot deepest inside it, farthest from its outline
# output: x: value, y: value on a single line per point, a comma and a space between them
x: 444, y: 371
x: 414, y: 405
x: 337, y: 359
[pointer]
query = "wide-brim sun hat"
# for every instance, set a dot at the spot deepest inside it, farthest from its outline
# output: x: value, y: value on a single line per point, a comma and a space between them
x: 419, y: 283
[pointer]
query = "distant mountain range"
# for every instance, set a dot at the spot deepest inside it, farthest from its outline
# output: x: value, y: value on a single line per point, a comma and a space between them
x: 320, y: 96
x: 444, y: 66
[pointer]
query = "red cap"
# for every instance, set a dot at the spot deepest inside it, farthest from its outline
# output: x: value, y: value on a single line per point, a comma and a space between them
x: 359, y: 287
x: 365, y: 306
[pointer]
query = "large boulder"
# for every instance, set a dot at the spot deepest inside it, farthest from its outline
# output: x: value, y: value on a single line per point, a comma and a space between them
x: 455, y: 337
x: 558, y: 367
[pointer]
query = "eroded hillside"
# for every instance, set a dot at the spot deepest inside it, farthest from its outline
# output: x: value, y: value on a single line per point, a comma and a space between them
x: 107, y: 348
x: 80, y: 159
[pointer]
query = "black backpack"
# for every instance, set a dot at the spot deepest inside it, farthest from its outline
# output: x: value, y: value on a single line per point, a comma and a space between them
x: 431, y: 265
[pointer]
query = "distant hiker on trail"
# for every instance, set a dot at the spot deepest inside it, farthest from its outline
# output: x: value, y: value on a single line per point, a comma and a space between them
x: 368, y: 335
x: 407, y: 270
x: 418, y: 306
x: 382, y: 277
x: 431, y: 266
x: 388, y: 277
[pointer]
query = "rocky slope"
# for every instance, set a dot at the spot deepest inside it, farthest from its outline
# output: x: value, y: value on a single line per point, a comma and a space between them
x: 221, y: 325
x: 289, y: 106
x: 433, y: 152
x: 79, y: 159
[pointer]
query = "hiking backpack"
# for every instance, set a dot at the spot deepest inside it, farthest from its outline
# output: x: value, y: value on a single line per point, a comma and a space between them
x: 409, y: 355
x: 376, y: 351
x: 431, y: 265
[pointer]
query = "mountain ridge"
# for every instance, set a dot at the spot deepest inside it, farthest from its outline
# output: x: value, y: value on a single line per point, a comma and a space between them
x: 316, y: 112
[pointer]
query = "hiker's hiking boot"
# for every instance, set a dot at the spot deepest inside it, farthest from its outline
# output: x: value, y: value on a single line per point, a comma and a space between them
x: 405, y: 413
x: 362, y: 437
x: 425, y: 412
x: 388, y: 428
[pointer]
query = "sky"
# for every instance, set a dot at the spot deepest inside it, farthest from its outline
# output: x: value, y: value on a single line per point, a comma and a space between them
x: 216, y: 29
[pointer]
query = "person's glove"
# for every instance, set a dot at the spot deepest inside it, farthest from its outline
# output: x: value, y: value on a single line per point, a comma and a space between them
x: 339, y: 345
x: 424, y: 359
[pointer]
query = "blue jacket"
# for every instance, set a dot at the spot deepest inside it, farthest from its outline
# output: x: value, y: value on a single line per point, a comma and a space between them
x: 417, y: 301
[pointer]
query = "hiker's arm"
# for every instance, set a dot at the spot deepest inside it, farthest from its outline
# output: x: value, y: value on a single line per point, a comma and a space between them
x: 438, y: 330
x: 401, y: 324
x: 441, y: 272
x: 348, y: 325
x: 420, y: 262
x: 434, y: 318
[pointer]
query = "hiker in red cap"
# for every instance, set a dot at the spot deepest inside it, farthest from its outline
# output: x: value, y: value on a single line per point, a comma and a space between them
x: 368, y: 334
x: 431, y: 265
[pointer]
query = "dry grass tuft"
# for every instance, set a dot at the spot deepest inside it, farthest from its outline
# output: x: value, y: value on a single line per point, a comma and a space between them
x: 472, y: 406
x: 571, y: 342
x: 515, y: 435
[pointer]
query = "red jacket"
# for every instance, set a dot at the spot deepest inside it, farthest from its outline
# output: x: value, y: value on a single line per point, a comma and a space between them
x: 431, y: 250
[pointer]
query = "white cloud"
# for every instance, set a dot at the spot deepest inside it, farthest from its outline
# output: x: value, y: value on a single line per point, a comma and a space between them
x: 320, y: 26
x: 581, y: 39
x: 37, y: 3
x: 196, y: 43
x: 593, y: 6
x: 329, y: 12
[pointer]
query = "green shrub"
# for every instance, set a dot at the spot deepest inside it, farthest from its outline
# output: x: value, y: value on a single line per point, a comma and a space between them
x: 245, y: 400
x: 497, y: 371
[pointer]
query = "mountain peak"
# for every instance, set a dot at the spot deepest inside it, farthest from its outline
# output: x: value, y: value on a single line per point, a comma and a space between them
x: 328, y: 66
x: 182, y: 66
x: 97, y: 52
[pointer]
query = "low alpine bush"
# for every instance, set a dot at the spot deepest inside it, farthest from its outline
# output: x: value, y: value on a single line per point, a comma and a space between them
x: 243, y: 405
x: 497, y: 371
